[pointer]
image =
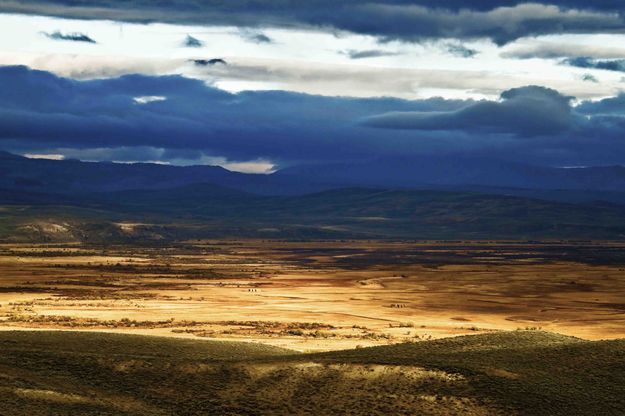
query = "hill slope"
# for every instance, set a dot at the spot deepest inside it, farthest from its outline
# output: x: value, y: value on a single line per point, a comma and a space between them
x: 210, y: 211
x: 526, y: 373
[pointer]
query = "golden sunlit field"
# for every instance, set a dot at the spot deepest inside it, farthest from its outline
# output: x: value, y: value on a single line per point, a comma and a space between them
x: 316, y: 296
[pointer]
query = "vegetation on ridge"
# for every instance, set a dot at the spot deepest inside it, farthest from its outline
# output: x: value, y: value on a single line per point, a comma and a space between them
x: 519, y: 372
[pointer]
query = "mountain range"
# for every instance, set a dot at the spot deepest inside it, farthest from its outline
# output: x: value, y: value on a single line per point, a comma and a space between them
x: 49, y: 200
x: 407, y: 173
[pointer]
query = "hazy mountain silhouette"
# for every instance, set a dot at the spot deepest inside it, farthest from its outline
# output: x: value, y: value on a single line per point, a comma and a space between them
x: 452, y: 174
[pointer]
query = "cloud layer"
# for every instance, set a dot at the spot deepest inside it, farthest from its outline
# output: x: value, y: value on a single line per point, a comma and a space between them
x: 40, y: 112
x: 524, y: 112
x: 499, y: 20
x: 552, y: 50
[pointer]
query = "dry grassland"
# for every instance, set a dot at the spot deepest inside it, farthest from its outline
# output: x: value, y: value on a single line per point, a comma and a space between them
x: 312, y: 296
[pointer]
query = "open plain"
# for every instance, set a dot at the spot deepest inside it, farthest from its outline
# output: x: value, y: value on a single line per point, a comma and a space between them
x: 317, y: 295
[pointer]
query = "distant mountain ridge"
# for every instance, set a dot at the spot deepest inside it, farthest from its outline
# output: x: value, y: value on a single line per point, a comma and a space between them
x: 481, y: 175
x: 471, y: 172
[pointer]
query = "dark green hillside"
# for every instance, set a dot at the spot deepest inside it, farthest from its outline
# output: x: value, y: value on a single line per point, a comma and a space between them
x: 536, y: 373
x: 521, y: 372
x: 210, y: 211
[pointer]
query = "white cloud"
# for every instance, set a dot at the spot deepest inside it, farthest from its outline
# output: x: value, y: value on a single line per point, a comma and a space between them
x: 49, y: 156
x: 145, y: 154
x: 304, y: 61
x: 149, y: 99
x: 568, y: 47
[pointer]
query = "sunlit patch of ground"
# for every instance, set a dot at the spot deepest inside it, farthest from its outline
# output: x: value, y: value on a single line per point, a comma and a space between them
x: 51, y: 395
x: 316, y: 295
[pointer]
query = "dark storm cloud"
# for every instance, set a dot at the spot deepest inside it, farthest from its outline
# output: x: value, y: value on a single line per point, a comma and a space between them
x: 527, y: 112
x: 499, y: 20
x: 590, y: 78
x: 74, y: 37
x: 209, y: 62
x: 39, y: 107
x: 608, y: 106
x: 256, y: 37
x: 368, y: 53
x: 261, y: 38
x: 616, y: 65
x: 40, y: 111
x: 191, y: 42
x: 460, y: 50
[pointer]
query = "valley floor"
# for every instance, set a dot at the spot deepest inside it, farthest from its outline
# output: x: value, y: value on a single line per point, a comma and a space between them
x: 316, y: 295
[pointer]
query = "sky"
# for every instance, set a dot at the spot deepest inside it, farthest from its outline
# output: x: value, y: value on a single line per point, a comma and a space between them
x: 256, y: 86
